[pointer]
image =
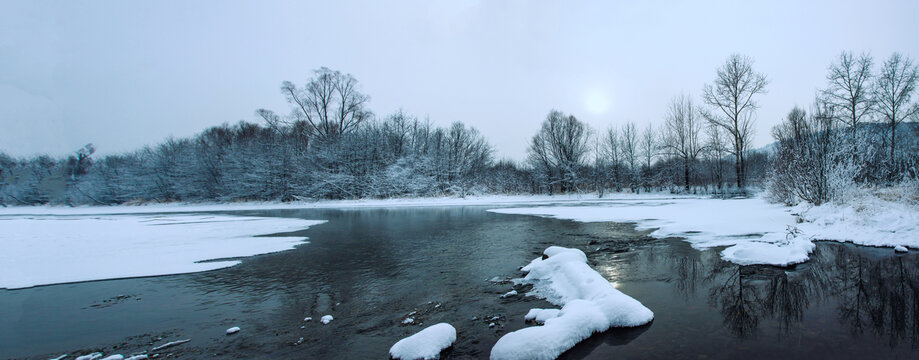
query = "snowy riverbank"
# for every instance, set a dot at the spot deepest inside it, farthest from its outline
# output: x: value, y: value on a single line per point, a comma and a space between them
x: 753, y: 230
x: 41, y: 250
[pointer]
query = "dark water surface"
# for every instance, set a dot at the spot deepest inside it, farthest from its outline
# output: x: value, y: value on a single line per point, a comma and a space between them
x: 370, y: 268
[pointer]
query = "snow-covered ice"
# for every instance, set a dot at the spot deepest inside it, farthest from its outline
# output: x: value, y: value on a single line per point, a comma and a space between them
x: 590, y: 304
x: 326, y: 319
x: 41, y: 250
x: 426, y: 344
x: 233, y: 330
x: 900, y: 249
x: 753, y: 230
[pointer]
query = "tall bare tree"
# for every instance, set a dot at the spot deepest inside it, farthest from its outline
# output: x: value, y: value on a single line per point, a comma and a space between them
x: 329, y: 105
x: 611, y: 150
x: 628, y: 143
x: 681, y: 137
x: 850, y: 89
x: 559, y: 148
x: 732, y: 97
x: 895, y: 94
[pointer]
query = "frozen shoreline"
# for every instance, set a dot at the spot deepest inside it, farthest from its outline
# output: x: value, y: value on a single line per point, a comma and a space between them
x: 483, y: 200
x: 45, y: 250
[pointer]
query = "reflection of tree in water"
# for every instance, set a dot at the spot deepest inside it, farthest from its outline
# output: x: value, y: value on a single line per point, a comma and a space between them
x: 874, y: 291
x: 879, y: 293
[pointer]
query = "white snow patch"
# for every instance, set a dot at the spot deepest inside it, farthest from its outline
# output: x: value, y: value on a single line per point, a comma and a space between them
x: 326, y: 319
x: 754, y: 231
x: 91, y: 356
x: 42, y: 250
x: 900, y: 249
x: 426, y: 344
x: 138, y: 357
x: 308, y: 318
x: 114, y: 357
x: 590, y: 304
x: 541, y: 315
x: 509, y: 294
x: 233, y: 330
x: 61, y: 357
x: 170, y: 344
x: 408, y: 321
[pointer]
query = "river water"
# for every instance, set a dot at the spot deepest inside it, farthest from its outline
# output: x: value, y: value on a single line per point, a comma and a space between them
x: 372, y: 268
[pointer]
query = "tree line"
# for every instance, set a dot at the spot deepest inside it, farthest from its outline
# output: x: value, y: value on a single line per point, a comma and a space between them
x: 332, y: 146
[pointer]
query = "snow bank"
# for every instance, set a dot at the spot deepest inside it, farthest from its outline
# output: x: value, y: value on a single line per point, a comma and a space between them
x: 426, y: 344
x: 325, y: 204
x: 753, y: 229
x: 40, y: 250
x: 590, y: 304
x: 865, y: 220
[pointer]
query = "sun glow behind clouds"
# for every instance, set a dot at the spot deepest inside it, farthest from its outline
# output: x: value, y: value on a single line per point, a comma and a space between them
x: 597, y: 101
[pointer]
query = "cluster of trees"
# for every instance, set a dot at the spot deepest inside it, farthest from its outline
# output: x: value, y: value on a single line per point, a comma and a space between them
x: 332, y: 146
x: 689, y: 152
x: 850, y: 136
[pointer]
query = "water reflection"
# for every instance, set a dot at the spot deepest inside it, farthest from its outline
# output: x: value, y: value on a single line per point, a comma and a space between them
x: 871, y: 290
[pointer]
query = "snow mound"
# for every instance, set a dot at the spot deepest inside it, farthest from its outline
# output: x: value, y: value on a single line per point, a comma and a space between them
x: 590, y: 304
x: 426, y: 344
x: 326, y: 319
x: 900, y: 249
x: 770, y: 250
x: 233, y: 330
x: 541, y: 315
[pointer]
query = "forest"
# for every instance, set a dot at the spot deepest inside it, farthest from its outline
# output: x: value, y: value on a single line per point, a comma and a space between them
x: 860, y: 130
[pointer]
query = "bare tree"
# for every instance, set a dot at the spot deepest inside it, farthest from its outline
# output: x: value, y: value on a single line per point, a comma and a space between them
x: 850, y: 89
x: 681, y: 137
x: 894, y: 93
x: 715, y: 150
x: 612, y: 152
x: 330, y: 104
x: 732, y: 97
x: 628, y: 143
x: 559, y: 148
x: 649, y: 147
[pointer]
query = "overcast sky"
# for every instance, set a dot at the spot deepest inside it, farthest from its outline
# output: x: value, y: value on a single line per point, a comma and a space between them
x: 123, y: 74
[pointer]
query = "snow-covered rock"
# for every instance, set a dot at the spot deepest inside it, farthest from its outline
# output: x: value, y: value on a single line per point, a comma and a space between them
x: 114, y: 357
x: 91, y: 356
x: 138, y: 357
x: 541, y: 315
x: 590, y: 304
x: 900, y: 249
x: 233, y: 330
x: 509, y: 294
x: 308, y: 318
x: 426, y: 344
x: 408, y: 321
x: 326, y: 319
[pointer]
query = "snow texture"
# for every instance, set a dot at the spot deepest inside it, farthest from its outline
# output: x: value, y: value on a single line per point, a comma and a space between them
x: 170, y: 344
x: 590, y: 304
x: 42, y: 250
x: 233, y: 330
x: 326, y: 319
x: 426, y: 344
x: 753, y: 230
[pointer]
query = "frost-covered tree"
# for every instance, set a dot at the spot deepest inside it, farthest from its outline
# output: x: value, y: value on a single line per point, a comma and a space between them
x: 681, y: 137
x: 732, y: 98
x: 559, y: 149
x: 895, y: 95
x: 329, y: 105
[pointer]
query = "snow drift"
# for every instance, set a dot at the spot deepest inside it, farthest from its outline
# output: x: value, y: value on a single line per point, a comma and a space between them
x: 590, y: 304
x: 426, y: 344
